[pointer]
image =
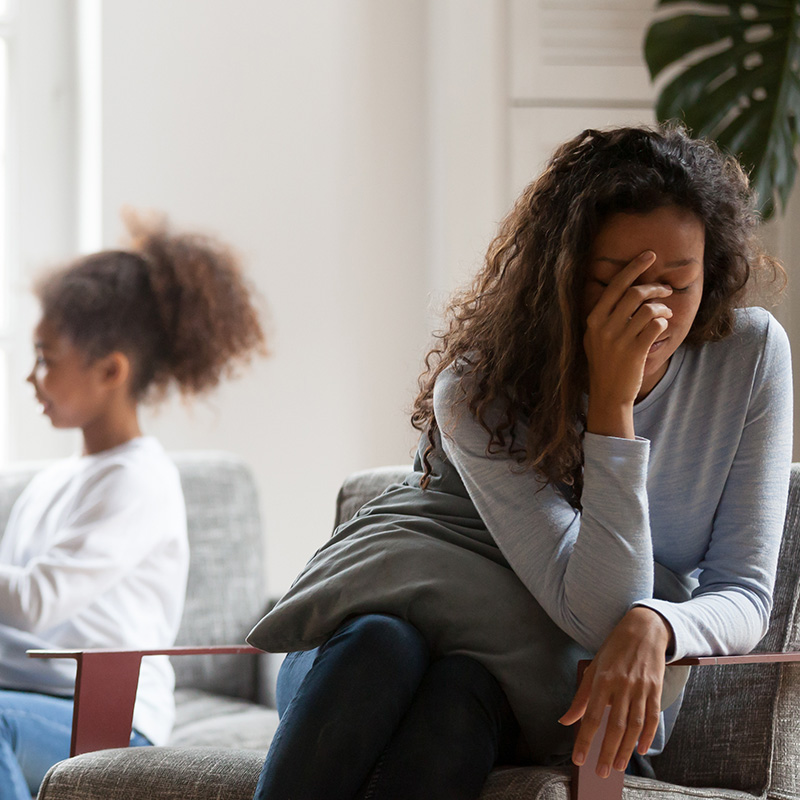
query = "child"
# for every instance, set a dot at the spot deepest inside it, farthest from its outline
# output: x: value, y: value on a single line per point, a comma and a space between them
x: 95, y: 553
x: 600, y: 420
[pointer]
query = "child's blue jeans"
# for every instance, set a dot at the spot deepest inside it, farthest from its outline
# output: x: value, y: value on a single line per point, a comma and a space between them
x: 369, y: 715
x: 35, y: 732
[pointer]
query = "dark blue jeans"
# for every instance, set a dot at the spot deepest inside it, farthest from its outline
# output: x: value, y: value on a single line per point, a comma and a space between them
x: 369, y: 715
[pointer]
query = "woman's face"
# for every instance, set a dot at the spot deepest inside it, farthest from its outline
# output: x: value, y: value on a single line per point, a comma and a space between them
x: 677, y: 237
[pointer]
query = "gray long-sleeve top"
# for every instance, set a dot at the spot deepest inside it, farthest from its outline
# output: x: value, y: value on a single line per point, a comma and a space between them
x: 701, y: 489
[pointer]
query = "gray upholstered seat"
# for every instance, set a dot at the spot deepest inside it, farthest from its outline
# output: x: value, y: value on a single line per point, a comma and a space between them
x: 737, y: 736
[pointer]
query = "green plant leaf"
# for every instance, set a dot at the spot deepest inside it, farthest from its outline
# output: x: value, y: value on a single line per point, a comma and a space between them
x: 734, y: 76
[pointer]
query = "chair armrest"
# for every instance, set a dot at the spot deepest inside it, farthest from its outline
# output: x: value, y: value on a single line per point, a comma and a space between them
x: 105, y: 690
x: 750, y: 658
x: 586, y: 785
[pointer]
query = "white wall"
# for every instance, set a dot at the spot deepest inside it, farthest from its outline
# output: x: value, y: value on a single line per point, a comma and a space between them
x: 297, y: 132
x: 359, y: 154
x: 352, y: 150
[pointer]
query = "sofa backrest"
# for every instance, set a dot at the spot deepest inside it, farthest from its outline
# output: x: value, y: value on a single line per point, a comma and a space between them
x: 738, y: 727
x: 225, y: 595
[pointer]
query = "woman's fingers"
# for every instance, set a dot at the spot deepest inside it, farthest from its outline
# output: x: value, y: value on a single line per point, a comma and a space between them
x: 636, y: 722
x: 637, y: 299
x: 649, y: 322
x: 626, y: 720
x: 652, y: 718
x: 578, y: 706
x: 617, y: 731
x: 590, y: 723
x: 622, y: 281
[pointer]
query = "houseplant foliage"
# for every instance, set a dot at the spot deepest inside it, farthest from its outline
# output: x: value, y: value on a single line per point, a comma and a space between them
x: 732, y: 73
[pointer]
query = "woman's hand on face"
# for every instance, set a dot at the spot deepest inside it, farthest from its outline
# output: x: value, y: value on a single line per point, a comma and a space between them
x: 624, y: 323
x: 626, y: 674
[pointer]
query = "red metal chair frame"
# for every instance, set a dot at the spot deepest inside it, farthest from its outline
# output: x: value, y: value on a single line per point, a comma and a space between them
x: 105, y: 691
x: 106, y: 681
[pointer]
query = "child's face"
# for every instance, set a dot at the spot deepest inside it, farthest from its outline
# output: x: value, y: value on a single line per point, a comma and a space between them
x: 68, y: 387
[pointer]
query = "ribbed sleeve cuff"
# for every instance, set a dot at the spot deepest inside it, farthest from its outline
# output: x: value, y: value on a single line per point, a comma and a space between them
x: 612, y: 462
x: 673, y: 616
x: 616, y: 453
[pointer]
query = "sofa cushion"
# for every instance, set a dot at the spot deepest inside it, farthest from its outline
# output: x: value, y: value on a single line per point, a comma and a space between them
x: 155, y: 773
x: 167, y: 773
x: 203, y: 719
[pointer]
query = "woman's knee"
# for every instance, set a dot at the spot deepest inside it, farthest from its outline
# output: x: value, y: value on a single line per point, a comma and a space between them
x: 385, y: 635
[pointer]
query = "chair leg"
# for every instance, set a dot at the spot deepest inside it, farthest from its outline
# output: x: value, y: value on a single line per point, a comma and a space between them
x: 586, y: 784
x: 105, y: 692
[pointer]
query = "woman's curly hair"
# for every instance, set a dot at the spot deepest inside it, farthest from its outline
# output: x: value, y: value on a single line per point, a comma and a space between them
x: 518, y: 329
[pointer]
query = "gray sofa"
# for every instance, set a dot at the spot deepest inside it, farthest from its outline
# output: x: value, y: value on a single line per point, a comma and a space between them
x: 738, y: 736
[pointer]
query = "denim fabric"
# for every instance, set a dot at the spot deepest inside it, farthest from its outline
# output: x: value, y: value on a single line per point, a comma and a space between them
x: 35, y: 732
x: 368, y: 715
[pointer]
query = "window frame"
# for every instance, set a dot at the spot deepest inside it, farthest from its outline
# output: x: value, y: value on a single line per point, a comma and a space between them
x: 41, y: 195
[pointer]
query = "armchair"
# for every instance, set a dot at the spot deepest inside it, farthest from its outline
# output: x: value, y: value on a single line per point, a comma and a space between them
x: 737, y: 737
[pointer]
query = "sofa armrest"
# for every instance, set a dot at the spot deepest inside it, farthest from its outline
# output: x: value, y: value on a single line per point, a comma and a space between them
x: 586, y: 785
x: 105, y: 690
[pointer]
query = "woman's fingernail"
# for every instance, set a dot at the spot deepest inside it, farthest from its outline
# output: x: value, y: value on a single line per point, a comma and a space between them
x: 603, y: 771
x: 579, y: 758
x: 620, y: 764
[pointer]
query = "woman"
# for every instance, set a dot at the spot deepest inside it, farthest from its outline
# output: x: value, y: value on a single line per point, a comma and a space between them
x: 603, y: 469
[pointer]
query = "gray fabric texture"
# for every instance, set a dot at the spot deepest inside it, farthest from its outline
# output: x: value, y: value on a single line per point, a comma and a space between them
x: 362, y: 486
x: 527, y: 783
x: 226, y: 591
x: 204, y: 719
x: 166, y: 773
x: 155, y: 773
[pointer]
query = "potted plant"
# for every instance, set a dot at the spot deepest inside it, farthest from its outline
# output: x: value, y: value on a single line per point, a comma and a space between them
x: 731, y: 72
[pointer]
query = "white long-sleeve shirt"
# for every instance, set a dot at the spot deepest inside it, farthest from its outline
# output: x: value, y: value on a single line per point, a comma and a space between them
x: 95, y: 554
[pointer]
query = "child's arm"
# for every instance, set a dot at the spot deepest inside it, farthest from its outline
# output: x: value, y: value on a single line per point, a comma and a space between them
x: 117, y: 525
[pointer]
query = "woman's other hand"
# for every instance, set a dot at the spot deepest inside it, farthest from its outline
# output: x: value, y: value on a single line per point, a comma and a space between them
x: 626, y: 674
